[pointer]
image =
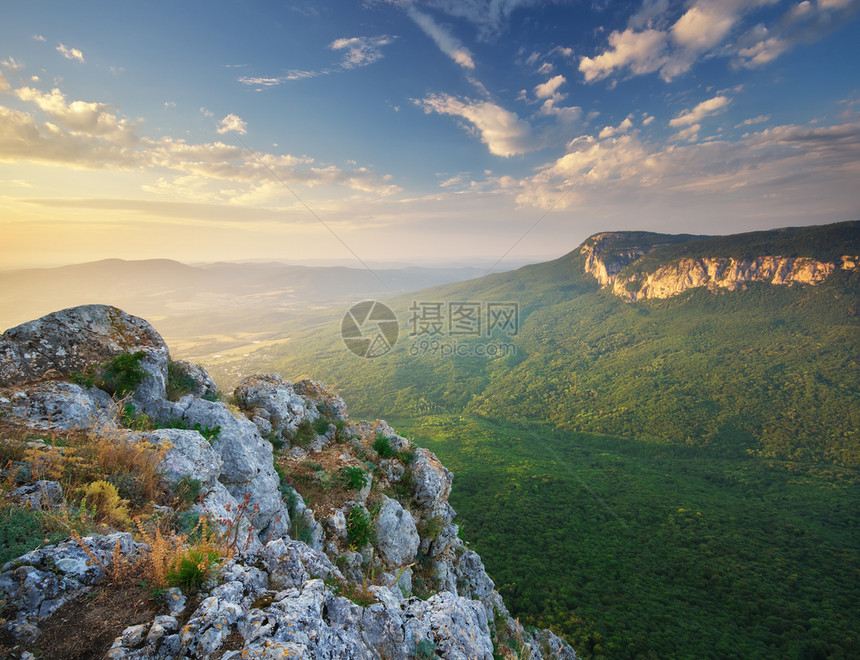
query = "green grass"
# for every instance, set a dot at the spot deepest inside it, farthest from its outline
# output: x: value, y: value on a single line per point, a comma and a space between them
x: 633, y: 550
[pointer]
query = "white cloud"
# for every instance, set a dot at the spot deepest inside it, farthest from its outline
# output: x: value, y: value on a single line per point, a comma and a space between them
x: 705, y: 24
x: 798, y: 163
x: 648, y: 120
x: 545, y: 68
x: 504, y: 133
x: 550, y: 87
x: 205, y: 112
x: 753, y: 120
x: 232, y: 123
x: 702, y: 110
x: 447, y: 43
x: 361, y: 51
x: 81, y: 117
x: 38, y: 37
x: 642, y: 52
x: 11, y: 65
x: 4, y: 84
x: 85, y: 135
x: 491, y: 17
x: 70, y: 53
x: 687, y: 134
x: 611, y: 131
x: 655, y: 41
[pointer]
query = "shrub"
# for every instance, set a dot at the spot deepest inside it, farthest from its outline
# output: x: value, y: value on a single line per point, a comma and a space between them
x: 102, y: 496
x: 178, y: 383
x: 359, y: 528
x: 321, y: 425
x: 192, y: 567
x: 382, y: 446
x: 304, y: 434
x: 360, y: 595
x: 130, y: 418
x: 187, y: 490
x: 353, y: 478
x: 123, y: 374
x: 22, y: 530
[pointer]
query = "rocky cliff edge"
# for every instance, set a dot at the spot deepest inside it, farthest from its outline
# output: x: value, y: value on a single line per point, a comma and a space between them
x: 316, y: 536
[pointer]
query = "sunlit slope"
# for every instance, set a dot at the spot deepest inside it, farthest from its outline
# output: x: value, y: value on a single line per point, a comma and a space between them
x: 765, y: 368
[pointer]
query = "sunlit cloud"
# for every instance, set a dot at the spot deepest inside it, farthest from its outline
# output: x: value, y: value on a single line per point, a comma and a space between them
x: 446, y: 42
x: 504, y: 133
x: 70, y: 53
x: 702, y: 110
x: 654, y: 42
x: 361, y: 51
x: 232, y: 123
x: 11, y: 65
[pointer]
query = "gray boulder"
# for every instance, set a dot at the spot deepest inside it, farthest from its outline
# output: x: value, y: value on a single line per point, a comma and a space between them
x: 285, y: 409
x: 248, y: 469
x: 38, y: 583
x: 39, y: 495
x: 73, y: 339
x: 54, y: 404
x: 203, y: 383
x: 397, y: 538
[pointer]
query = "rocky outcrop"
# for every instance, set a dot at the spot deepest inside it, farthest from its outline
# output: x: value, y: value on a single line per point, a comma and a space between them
x: 724, y: 273
x: 71, y: 340
x: 341, y: 579
x: 611, y: 260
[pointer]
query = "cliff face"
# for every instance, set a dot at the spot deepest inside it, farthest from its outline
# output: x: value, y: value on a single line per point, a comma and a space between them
x: 614, y: 267
x: 371, y: 566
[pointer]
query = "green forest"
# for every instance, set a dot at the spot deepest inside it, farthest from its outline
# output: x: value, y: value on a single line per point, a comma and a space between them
x: 666, y: 478
x: 632, y: 550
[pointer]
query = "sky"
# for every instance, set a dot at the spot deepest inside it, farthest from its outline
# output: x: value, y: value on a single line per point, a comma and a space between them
x: 417, y: 131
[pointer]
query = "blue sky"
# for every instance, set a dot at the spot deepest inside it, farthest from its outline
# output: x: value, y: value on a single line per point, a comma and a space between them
x: 417, y: 131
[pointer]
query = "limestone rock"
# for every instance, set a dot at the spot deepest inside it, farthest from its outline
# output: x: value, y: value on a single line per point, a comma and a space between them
x: 203, y: 383
x: 396, y: 536
x: 73, y: 339
x: 56, y: 404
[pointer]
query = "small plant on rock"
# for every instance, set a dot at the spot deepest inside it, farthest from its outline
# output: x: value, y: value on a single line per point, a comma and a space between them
x: 123, y: 374
x: 353, y: 478
x: 359, y: 528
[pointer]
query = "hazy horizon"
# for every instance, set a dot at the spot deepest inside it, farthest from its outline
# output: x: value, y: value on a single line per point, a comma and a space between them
x: 405, y: 130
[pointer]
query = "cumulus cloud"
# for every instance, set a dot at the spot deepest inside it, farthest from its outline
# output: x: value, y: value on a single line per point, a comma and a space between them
x: 550, y: 87
x: 642, y: 52
x: 804, y: 22
x: 656, y: 41
x: 504, y: 133
x: 361, y: 51
x: 81, y: 117
x: 799, y: 160
x: 4, y: 84
x: 38, y: 37
x: 447, y: 43
x: 611, y: 131
x: 702, y: 110
x: 70, y: 53
x: 232, y: 123
x: 87, y: 135
x: 687, y: 134
x: 12, y: 65
x: 753, y: 120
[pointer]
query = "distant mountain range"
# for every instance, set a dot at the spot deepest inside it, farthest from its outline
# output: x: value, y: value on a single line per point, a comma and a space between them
x: 746, y: 342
